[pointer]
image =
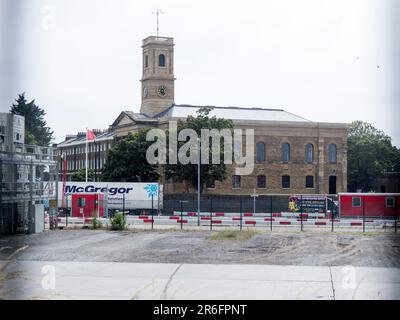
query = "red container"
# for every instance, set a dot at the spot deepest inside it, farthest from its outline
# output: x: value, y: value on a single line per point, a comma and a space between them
x: 369, y: 205
x: 87, y: 205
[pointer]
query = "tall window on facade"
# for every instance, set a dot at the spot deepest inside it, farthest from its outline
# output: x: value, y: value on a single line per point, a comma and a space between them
x: 285, y: 182
x: 332, y: 153
x: 260, y: 152
x: 146, y: 61
x: 261, y: 181
x: 310, y: 182
x: 161, y: 60
x: 237, y: 150
x: 235, y: 182
x: 285, y: 152
x: 309, y: 153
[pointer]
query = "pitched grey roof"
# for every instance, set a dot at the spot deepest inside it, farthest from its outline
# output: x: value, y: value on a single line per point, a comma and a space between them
x: 233, y: 113
x: 81, y: 138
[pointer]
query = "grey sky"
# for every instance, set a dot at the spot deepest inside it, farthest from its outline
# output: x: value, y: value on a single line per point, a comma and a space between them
x: 333, y: 61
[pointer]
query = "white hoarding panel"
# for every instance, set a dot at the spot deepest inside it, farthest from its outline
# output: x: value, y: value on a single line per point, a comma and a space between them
x: 137, y: 195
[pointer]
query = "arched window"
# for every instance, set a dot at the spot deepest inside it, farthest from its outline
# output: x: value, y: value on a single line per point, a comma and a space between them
x: 261, y: 181
x: 161, y: 60
x: 260, y: 152
x: 309, y: 153
x: 146, y: 61
x: 285, y: 152
x: 332, y: 153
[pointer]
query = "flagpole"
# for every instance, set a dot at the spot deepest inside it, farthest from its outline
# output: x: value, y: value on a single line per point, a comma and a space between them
x: 86, y: 165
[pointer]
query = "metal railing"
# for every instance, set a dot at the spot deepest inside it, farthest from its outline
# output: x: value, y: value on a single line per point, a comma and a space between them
x: 266, y: 212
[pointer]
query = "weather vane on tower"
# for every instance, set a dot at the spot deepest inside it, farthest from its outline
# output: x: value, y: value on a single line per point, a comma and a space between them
x: 158, y: 11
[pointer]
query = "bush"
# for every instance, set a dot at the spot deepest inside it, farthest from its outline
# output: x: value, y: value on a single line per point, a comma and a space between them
x: 96, y: 223
x: 118, y: 222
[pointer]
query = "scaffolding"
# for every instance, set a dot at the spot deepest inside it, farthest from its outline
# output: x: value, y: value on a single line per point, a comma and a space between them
x: 28, y: 176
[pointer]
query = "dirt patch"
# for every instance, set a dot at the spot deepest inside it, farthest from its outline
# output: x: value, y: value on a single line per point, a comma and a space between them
x: 319, y: 249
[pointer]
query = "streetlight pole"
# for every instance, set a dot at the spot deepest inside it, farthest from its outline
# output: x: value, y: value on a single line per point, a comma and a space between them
x: 254, y: 195
x: 198, y: 182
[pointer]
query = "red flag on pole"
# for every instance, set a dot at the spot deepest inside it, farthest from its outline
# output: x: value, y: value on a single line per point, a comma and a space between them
x: 90, y: 135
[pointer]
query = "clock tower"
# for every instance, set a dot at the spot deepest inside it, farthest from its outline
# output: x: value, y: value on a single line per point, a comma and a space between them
x: 158, y: 75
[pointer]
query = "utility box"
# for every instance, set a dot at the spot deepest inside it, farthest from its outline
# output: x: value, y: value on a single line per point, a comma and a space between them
x: 39, y: 218
x: 36, y: 223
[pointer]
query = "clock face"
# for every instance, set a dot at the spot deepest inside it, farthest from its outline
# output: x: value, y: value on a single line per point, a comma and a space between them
x: 162, y: 90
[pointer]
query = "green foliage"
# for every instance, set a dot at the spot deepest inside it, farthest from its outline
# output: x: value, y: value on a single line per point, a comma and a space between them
x: 118, y: 222
x: 370, y: 154
x: 126, y: 161
x: 96, y: 223
x: 80, y: 175
x: 36, y: 131
x: 209, y: 172
x: 234, y: 235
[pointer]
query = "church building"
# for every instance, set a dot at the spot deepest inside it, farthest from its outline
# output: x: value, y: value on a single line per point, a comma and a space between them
x: 293, y: 155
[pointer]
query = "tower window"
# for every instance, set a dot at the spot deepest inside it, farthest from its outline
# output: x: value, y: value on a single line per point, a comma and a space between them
x: 161, y: 60
x: 146, y: 61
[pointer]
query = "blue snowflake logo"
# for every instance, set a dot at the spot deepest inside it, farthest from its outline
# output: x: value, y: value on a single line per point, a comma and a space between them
x: 151, y: 189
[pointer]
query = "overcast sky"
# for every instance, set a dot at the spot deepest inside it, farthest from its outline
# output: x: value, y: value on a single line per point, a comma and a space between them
x: 328, y: 61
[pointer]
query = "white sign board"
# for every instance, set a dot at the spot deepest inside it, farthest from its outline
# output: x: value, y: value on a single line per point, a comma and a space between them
x: 137, y: 195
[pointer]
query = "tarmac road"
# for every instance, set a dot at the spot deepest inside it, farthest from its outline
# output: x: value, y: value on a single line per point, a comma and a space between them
x: 113, y: 280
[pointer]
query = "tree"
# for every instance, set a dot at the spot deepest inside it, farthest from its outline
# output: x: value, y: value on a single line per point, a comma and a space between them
x: 209, y: 172
x: 80, y: 175
x: 36, y: 131
x: 126, y: 161
x: 370, y: 154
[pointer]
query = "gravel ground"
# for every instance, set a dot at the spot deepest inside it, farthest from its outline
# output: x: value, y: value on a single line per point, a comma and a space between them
x: 311, y: 249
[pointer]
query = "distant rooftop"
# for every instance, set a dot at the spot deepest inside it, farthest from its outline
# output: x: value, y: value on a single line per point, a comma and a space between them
x: 233, y: 113
x: 80, y: 137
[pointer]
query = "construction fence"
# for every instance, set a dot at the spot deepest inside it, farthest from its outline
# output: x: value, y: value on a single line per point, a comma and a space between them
x: 302, y: 212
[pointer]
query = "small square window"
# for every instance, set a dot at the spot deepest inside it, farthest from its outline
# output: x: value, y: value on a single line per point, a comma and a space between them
x: 261, y: 182
x: 236, y: 182
x: 285, y: 182
x: 81, y: 202
x: 356, y: 202
x: 211, y: 184
x: 309, y: 181
x: 389, y: 202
